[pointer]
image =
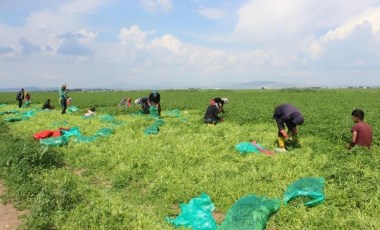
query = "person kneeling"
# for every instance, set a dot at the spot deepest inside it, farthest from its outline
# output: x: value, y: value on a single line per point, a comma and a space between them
x: 211, y: 115
x: 90, y: 112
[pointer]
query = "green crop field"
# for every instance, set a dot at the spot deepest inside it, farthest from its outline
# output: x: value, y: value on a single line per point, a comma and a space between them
x: 131, y: 180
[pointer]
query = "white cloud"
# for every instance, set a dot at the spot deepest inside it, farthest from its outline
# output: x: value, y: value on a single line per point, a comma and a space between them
x: 369, y: 19
x: 168, y: 42
x: 271, y: 22
x: 133, y: 36
x: 212, y: 13
x: 156, y: 5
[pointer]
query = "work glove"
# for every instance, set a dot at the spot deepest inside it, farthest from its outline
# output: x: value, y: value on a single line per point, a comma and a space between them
x: 284, y: 134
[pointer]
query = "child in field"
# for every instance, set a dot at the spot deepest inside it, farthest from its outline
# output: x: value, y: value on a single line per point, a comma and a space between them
x: 361, y: 132
x: 289, y: 115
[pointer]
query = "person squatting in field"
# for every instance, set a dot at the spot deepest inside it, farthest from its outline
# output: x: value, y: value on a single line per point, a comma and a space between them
x: 144, y: 102
x: 287, y: 114
x: 126, y: 102
x: 219, y: 102
x: 361, y: 131
x: 63, y: 98
x: 90, y: 112
x: 154, y: 100
x: 28, y: 99
x: 20, y: 97
x: 47, y: 105
x: 211, y: 115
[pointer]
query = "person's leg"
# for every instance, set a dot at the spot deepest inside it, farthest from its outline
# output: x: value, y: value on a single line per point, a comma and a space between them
x: 19, y: 103
x: 293, y: 132
x: 64, y: 106
x: 159, y: 109
x: 281, y: 140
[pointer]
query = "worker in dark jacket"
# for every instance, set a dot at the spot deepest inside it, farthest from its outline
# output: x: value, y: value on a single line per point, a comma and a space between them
x: 211, y: 115
x: 20, y: 97
x: 154, y: 99
x: 289, y: 115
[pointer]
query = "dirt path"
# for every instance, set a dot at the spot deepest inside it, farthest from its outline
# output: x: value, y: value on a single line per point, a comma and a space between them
x: 8, y: 214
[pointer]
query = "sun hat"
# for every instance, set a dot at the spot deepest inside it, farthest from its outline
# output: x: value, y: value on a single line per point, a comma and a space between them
x: 225, y: 100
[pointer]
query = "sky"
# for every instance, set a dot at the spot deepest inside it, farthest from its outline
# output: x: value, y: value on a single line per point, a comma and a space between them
x: 126, y: 44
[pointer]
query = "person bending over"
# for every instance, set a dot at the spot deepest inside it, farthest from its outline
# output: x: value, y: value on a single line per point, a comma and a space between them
x: 289, y: 115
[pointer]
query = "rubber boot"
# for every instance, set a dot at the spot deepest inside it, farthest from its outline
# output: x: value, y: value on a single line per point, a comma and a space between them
x: 281, y: 142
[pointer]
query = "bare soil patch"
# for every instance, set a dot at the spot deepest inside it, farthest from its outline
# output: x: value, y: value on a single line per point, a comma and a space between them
x: 8, y: 214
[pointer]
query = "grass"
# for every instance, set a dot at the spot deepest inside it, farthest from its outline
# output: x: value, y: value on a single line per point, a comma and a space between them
x: 131, y: 180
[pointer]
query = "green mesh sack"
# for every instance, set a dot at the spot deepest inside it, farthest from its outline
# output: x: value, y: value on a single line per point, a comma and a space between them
x: 84, y: 139
x: 250, y: 212
x: 103, y: 132
x: 71, y: 132
x: 153, y: 111
x: 14, y: 119
x: 72, y: 109
x: 153, y: 129
x: 247, y: 147
x: 9, y: 112
x: 29, y: 113
x: 107, y: 118
x: 311, y: 187
x: 2, y: 105
x: 54, y: 141
x: 159, y: 122
x: 196, y: 215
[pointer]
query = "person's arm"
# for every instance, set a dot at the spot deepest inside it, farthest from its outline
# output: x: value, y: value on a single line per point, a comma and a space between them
x: 281, y: 121
x: 216, y: 111
x: 354, y: 139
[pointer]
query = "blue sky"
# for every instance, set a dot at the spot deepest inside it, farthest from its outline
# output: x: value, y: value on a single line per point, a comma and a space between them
x: 188, y: 43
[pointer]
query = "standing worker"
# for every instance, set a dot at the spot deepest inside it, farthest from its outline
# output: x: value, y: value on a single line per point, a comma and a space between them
x: 63, y: 98
x: 287, y: 114
x: 20, y: 97
x: 154, y: 99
